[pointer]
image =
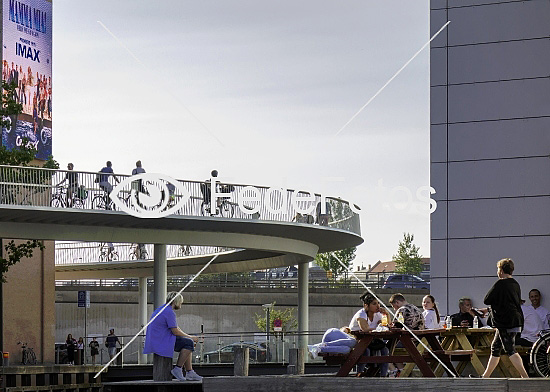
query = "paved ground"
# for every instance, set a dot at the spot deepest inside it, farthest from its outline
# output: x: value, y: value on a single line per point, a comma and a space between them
x: 322, y: 383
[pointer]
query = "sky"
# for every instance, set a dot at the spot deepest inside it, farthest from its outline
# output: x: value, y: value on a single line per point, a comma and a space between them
x: 257, y: 90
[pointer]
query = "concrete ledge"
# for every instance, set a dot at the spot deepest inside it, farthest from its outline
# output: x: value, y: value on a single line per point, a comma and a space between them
x: 331, y: 384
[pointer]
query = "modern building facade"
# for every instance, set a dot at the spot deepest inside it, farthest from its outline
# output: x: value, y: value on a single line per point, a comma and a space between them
x: 490, y: 146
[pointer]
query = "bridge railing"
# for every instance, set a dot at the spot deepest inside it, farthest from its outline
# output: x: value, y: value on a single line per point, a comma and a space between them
x: 32, y: 186
x: 76, y: 252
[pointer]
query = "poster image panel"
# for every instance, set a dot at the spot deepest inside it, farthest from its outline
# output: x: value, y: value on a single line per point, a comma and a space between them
x: 27, y: 62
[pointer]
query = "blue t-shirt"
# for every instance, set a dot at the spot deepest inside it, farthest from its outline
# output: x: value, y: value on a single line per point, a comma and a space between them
x: 159, y: 338
x: 105, y: 177
x: 138, y: 170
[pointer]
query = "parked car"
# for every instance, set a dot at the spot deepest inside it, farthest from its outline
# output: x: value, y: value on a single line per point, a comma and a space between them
x: 257, y: 353
x: 403, y: 281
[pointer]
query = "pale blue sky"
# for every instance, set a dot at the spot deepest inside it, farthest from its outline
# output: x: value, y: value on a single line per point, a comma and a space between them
x: 273, y: 81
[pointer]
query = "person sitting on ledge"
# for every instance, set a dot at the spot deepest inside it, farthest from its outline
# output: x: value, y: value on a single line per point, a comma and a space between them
x: 163, y: 337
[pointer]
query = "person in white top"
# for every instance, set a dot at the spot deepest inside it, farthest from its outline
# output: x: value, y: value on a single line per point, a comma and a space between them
x: 431, y: 313
x: 532, y: 325
x: 544, y: 314
x: 367, y: 319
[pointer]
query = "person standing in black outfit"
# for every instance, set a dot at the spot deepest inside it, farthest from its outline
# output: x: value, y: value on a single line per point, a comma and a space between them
x: 71, y: 347
x: 505, y: 301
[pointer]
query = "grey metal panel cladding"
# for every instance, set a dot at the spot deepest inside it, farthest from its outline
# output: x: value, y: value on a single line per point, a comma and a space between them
x: 499, y: 217
x: 438, y: 221
x: 436, y: 4
x: 529, y: 255
x: 438, y: 257
x: 438, y: 180
x: 499, y: 22
x: 438, y: 143
x: 438, y: 69
x: 499, y: 100
x: 438, y: 105
x: 437, y: 19
x: 489, y: 62
x: 495, y: 139
x: 499, y: 178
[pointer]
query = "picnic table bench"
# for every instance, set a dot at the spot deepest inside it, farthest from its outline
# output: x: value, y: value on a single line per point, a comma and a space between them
x: 410, y: 353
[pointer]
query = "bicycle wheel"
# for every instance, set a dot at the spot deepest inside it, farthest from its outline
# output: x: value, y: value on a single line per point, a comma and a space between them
x: 78, y: 203
x: 25, y: 358
x: 540, y: 355
x: 227, y: 210
x: 31, y: 358
x: 133, y: 254
x: 56, y: 202
x: 98, y: 203
x: 205, y: 209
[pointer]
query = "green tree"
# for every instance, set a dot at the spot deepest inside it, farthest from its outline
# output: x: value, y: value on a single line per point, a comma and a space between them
x: 408, y: 259
x: 289, y: 321
x: 19, y: 156
x: 329, y: 261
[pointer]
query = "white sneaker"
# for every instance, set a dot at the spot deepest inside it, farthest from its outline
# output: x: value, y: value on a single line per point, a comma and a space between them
x: 192, y: 376
x: 313, y: 350
x: 177, y: 372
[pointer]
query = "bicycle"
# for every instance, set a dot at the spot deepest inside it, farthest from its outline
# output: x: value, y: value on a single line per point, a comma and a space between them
x: 28, y: 355
x: 224, y: 208
x: 540, y: 354
x: 102, y: 201
x: 107, y: 252
x: 184, y: 250
x: 138, y: 252
x: 59, y: 198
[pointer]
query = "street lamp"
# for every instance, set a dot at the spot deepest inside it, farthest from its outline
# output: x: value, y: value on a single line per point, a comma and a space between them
x: 268, y: 308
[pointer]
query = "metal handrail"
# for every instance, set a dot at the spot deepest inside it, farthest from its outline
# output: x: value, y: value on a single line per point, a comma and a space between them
x: 22, y: 185
x: 33, y: 186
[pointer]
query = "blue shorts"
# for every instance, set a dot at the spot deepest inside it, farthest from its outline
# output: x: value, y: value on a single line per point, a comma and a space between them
x: 184, y: 343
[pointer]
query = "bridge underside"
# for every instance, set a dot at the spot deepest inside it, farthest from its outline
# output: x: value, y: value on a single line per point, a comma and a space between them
x: 258, y: 244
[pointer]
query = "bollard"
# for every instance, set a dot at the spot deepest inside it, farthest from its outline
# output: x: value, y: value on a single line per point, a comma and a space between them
x: 296, y: 361
x: 161, y: 368
x: 78, y: 356
x: 5, y: 359
x: 240, y: 361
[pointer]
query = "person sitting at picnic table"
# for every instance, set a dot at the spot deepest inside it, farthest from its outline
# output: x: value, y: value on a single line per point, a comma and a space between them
x: 430, y: 313
x: 412, y: 316
x: 408, y: 315
x: 367, y: 319
x: 465, y: 317
x: 338, y: 341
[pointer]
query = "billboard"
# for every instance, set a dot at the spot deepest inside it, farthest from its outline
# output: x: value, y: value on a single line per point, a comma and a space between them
x: 27, y: 62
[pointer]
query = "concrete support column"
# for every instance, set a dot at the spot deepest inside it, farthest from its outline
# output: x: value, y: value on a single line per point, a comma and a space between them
x: 142, y: 358
x: 303, y: 304
x: 160, y: 275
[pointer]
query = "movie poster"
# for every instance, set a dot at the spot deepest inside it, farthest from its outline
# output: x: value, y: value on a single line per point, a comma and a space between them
x: 27, y: 62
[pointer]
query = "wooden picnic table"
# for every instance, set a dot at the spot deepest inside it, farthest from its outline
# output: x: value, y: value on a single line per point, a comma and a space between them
x: 479, y: 340
x: 474, y: 340
x: 411, y: 355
